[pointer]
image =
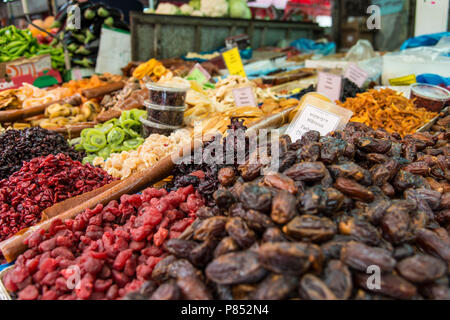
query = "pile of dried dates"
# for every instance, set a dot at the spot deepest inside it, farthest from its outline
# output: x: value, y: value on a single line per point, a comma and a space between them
x: 357, y: 214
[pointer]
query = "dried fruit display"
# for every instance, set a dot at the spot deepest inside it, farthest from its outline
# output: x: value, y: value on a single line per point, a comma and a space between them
x: 338, y: 206
x: 41, y: 183
x: 111, y: 250
x: 17, y: 146
x: 387, y: 109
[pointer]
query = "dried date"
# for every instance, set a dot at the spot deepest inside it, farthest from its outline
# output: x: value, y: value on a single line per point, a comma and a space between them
x: 390, y: 285
x: 211, y: 228
x: 421, y: 268
x: 354, y: 190
x: 226, y: 176
x: 310, y: 228
x: 226, y: 245
x: 256, y: 197
x: 235, y: 268
x: 433, y: 244
x: 283, y: 207
x: 275, y: 287
x: 360, y: 230
x: 240, y: 232
x: 312, y: 288
x: 193, y: 289
x: 280, y: 181
x: 359, y: 256
x: 338, y: 279
x: 292, y: 258
x: 307, y: 171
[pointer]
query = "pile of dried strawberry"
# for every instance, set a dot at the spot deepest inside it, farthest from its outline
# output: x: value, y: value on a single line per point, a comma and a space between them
x: 41, y: 183
x: 115, y: 247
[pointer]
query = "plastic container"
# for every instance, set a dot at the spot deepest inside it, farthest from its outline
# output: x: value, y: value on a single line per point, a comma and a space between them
x: 149, y: 127
x: 433, y: 98
x: 167, y: 115
x: 170, y: 94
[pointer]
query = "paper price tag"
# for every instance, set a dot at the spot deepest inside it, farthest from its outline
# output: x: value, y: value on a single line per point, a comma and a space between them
x: 329, y: 85
x: 244, y: 97
x: 316, y: 114
x: 233, y: 61
x: 199, y: 74
x: 356, y: 75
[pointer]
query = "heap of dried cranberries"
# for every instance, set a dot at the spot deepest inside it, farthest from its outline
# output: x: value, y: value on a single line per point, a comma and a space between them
x: 41, y: 183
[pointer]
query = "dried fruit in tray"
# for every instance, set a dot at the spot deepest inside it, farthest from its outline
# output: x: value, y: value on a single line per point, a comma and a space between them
x: 17, y: 146
x: 314, y: 228
x: 39, y: 184
x: 111, y: 250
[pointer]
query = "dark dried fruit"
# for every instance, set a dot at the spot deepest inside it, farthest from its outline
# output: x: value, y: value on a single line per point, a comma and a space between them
x: 226, y: 176
x: 275, y: 287
x: 167, y: 291
x: 283, y: 207
x: 293, y: 258
x: 234, y: 268
x: 307, y: 171
x: 226, y: 245
x: 354, y: 190
x: 312, y: 288
x: 211, y: 228
x: 310, y: 228
x: 193, y: 289
x: 432, y: 244
x: 280, y: 181
x: 338, y: 279
x: 421, y: 268
x: 256, y: 198
x: 390, y: 285
x: 240, y: 232
x: 360, y: 230
x: 360, y: 256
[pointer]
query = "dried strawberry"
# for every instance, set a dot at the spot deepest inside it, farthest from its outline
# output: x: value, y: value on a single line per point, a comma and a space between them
x: 29, y: 293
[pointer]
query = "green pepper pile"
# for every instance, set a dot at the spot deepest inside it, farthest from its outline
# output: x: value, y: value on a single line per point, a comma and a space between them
x: 113, y: 136
x: 16, y: 43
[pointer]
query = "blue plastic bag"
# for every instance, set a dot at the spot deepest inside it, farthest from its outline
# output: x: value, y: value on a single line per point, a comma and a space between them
x: 310, y: 46
x: 434, y: 79
x: 426, y: 40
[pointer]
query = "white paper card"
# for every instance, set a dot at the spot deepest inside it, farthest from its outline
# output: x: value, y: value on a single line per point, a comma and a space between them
x: 329, y: 85
x: 244, y: 97
x: 356, y: 75
x: 114, y: 52
x: 313, y: 118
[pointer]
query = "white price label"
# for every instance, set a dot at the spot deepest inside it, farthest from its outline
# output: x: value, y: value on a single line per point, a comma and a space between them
x: 313, y: 118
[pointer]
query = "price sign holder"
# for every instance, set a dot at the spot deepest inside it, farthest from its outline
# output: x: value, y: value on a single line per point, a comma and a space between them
x: 316, y: 114
x: 199, y: 74
x: 244, y: 97
x: 330, y: 85
x: 233, y: 62
x: 356, y: 75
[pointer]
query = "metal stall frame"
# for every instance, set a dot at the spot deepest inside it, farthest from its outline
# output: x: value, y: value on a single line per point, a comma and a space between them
x: 168, y: 36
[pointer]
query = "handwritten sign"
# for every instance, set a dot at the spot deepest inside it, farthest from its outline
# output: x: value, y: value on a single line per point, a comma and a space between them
x: 356, y: 75
x: 244, y: 97
x: 316, y: 114
x: 233, y: 61
x: 199, y: 74
x: 329, y: 85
